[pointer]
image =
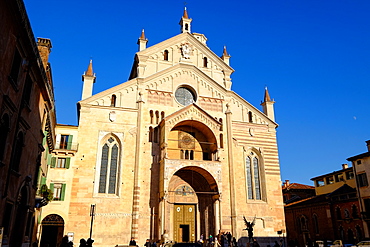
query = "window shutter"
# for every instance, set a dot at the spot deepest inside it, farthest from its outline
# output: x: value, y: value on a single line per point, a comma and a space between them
x: 52, y: 187
x: 44, y: 139
x: 43, y: 180
x: 68, y: 161
x: 69, y: 143
x: 53, y: 160
x: 63, y: 192
x: 48, y: 158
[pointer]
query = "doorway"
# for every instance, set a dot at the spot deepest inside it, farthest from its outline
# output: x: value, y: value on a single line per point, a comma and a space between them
x: 184, y: 233
x: 184, y: 223
x: 52, y: 230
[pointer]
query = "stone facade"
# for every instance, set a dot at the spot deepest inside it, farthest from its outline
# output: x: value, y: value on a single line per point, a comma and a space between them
x: 174, y: 153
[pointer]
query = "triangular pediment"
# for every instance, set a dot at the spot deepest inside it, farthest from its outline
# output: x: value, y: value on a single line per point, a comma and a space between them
x: 172, y: 51
x: 177, y: 41
x: 194, y: 113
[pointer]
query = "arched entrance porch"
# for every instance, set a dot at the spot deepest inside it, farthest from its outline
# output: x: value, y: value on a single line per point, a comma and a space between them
x: 192, y: 205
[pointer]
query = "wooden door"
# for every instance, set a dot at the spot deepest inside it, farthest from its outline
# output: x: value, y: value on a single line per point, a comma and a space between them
x: 184, y: 223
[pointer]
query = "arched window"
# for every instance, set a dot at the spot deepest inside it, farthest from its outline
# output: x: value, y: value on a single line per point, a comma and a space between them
x: 186, y: 27
x: 155, y: 138
x: 253, y: 176
x: 16, y: 66
x: 338, y: 213
x: 221, y: 141
x: 303, y: 223
x: 221, y: 128
x: 17, y: 152
x: 162, y: 115
x: 165, y: 55
x: 151, y: 134
x: 205, y: 62
x: 250, y: 117
x: 109, y: 166
x: 248, y: 169
x: 354, y: 212
x: 341, y: 232
x: 4, y: 130
x: 157, y: 117
x: 315, y: 223
x: 350, y: 236
x: 358, y: 233
x: 151, y: 116
x: 27, y: 89
x: 191, y: 154
x: 113, y: 100
x: 256, y: 178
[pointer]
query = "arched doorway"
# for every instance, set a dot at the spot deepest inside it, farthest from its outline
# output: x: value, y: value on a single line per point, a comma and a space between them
x: 192, y: 204
x: 21, y: 217
x: 52, y: 230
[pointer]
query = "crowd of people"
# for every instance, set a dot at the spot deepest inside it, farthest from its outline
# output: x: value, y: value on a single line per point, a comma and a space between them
x: 224, y: 239
x: 83, y: 242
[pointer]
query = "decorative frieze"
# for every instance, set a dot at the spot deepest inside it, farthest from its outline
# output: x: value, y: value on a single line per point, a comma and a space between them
x: 160, y: 98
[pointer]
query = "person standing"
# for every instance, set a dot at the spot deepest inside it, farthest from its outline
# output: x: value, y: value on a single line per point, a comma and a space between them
x: 82, y: 242
x: 255, y: 243
x: 235, y: 244
x: 229, y: 236
x: 89, y: 242
x: 132, y: 242
x: 147, y: 243
x: 64, y: 241
x: 210, y: 240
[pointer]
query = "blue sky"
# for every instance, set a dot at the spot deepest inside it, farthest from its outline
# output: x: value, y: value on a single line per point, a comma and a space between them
x: 313, y: 55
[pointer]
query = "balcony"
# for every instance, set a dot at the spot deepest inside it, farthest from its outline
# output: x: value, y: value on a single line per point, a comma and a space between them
x: 66, y: 148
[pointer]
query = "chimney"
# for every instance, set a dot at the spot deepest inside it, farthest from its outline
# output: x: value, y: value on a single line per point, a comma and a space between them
x: 44, y: 46
x: 286, y: 183
x: 368, y: 145
x: 344, y: 166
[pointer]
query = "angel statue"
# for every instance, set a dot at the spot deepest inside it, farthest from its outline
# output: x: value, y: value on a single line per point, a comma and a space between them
x: 249, y: 228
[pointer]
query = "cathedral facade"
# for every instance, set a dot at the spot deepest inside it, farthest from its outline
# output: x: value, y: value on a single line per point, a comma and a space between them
x: 174, y: 153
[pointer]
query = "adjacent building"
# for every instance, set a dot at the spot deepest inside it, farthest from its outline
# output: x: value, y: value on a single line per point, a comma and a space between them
x: 27, y: 120
x: 333, y: 213
x: 59, y: 181
x: 361, y: 168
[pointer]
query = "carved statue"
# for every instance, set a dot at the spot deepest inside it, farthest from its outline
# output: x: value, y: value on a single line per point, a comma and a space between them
x: 249, y: 228
x: 186, y: 51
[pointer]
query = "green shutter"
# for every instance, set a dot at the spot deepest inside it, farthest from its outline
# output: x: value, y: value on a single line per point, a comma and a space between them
x: 68, y: 161
x: 43, y: 180
x: 46, y: 152
x: 52, y: 187
x: 53, y: 160
x: 48, y: 158
x: 44, y: 139
x: 63, y: 192
x: 69, y: 143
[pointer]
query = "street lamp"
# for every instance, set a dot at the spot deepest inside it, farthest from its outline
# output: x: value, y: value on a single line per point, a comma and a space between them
x: 92, y: 214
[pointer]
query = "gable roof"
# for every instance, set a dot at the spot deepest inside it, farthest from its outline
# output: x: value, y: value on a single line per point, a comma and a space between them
x: 188, y: 107
x: 181, y: 38
x: 324, y: 198
x: 297, y: 186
